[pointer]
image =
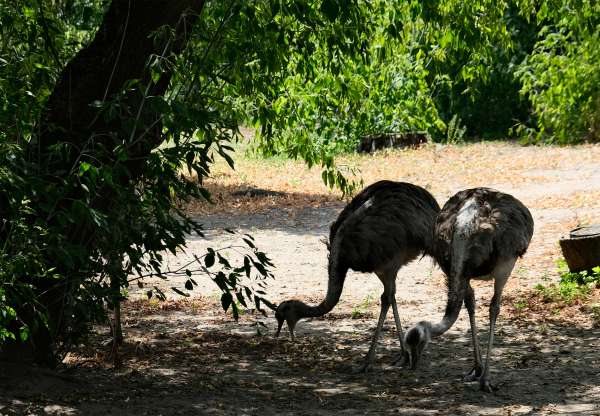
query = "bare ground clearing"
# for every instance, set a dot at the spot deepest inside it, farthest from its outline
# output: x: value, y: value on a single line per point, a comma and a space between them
x: 186, y: 357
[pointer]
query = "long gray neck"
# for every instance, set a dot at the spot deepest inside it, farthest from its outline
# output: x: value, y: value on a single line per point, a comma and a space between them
x: 335, y: 284
x: 453, y: 306
x: 457, y: 287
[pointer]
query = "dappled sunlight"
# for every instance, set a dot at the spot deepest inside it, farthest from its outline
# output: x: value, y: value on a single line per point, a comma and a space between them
x: 442, y: 169
x: 203, y: 366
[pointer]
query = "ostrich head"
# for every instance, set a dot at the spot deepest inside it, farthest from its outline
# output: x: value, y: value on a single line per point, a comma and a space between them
x: 416, y: 340
x: 289, y: 311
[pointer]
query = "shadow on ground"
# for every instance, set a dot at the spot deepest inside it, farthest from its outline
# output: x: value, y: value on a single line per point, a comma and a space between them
x: 304, y: 221
x: 224, y: 371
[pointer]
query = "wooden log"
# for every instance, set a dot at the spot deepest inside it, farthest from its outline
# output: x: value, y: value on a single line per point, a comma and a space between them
x: 372, y: 142
x: 581, y: 249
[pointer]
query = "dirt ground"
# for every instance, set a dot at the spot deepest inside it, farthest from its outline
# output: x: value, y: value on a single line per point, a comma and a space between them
x: 187, y: 357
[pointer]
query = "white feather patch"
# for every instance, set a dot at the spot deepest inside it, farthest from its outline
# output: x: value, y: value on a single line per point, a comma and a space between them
x: 466, y: 219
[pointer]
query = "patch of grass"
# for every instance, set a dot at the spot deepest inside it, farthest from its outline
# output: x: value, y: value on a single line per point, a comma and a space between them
x: 567, y: 292
x: 520, y: 304
x: 573, y: 286
x: 361, y: 310
x: 590, y: 278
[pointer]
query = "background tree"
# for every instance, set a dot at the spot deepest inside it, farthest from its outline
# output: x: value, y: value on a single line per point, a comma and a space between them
x: 104, y: 103
x: 93, y: 175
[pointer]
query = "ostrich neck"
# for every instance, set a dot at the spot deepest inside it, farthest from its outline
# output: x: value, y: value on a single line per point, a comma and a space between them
x: 309, y: 311
x: 335, y: 285
x: 457, y: 283
x: 441, y: 327
x: 456, y: 296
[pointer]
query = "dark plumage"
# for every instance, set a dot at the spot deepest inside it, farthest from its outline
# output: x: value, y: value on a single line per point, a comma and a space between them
x: 478, y: 234
x: 399, y: 219
x: 384, y: 227
x: 503, y: 230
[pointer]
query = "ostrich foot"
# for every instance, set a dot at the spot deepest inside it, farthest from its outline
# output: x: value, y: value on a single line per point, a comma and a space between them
x: 486, y: 385
x: 474, y: 374
x: 403, y: 360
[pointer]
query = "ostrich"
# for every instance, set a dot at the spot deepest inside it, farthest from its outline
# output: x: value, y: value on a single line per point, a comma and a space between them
x: 479, y: 233
x: 384, y: 227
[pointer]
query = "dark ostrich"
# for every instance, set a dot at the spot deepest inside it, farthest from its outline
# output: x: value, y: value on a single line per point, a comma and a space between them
x: 479, y: 234
x: 383, y: 228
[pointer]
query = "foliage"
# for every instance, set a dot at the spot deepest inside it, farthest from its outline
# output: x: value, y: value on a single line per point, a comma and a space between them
x: 362, y: 309
x: 78, y: 219
x: 380, y: 88
x: 571, y: 287
x: 419, y: 65
x: 455, y: 133
x: 561, y: 76
x: 472, y: 49
x: 77, y: 222
x: 36, y: 39
x: 587, y: 278
x: 567, y: 292
x: 21, y: 253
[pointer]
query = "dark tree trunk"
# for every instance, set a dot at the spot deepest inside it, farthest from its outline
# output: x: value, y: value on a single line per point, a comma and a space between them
x: 372, y: 142
x: 582, y: 249
x: 119, y: 53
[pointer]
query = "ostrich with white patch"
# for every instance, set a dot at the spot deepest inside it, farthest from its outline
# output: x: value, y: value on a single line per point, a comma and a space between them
x: 478, y: 234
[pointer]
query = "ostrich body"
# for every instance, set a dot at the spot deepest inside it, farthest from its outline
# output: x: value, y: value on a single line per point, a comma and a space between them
x: 384, y: 227
x: 479, y: 234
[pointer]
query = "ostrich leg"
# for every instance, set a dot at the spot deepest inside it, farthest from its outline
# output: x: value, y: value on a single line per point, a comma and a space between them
x: 391, y: 279
x: 501, y: 274
x: 388, y: 278
x: 475, y: 373
x: 403, y: 359
x: 370, y: 357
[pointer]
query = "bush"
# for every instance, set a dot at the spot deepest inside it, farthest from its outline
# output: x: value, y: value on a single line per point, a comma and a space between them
x: 561, y: 78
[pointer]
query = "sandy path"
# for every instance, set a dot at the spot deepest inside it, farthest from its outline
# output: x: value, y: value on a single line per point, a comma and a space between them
x: 541, y: 371
x: 199, y: 362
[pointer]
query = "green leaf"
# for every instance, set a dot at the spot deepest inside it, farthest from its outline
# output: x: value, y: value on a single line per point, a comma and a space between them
x: 247, y: 267
x: 241, y: 300
x: 24, y: 333
x: 261, y: 269
x: 209, y: 260
x: 180, y: 292
x: 84, y: 167
x: 226, y: 300
x: 224, y: 261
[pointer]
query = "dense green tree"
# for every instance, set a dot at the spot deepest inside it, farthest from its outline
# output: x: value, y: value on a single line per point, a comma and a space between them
x: 561, y: 76
x: 98, y: 128
x: 103, y: 103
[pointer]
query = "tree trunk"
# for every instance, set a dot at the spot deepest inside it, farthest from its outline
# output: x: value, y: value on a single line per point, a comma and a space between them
x: 119, y: 53
x: 372, y: 142
x: 582, y: 249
